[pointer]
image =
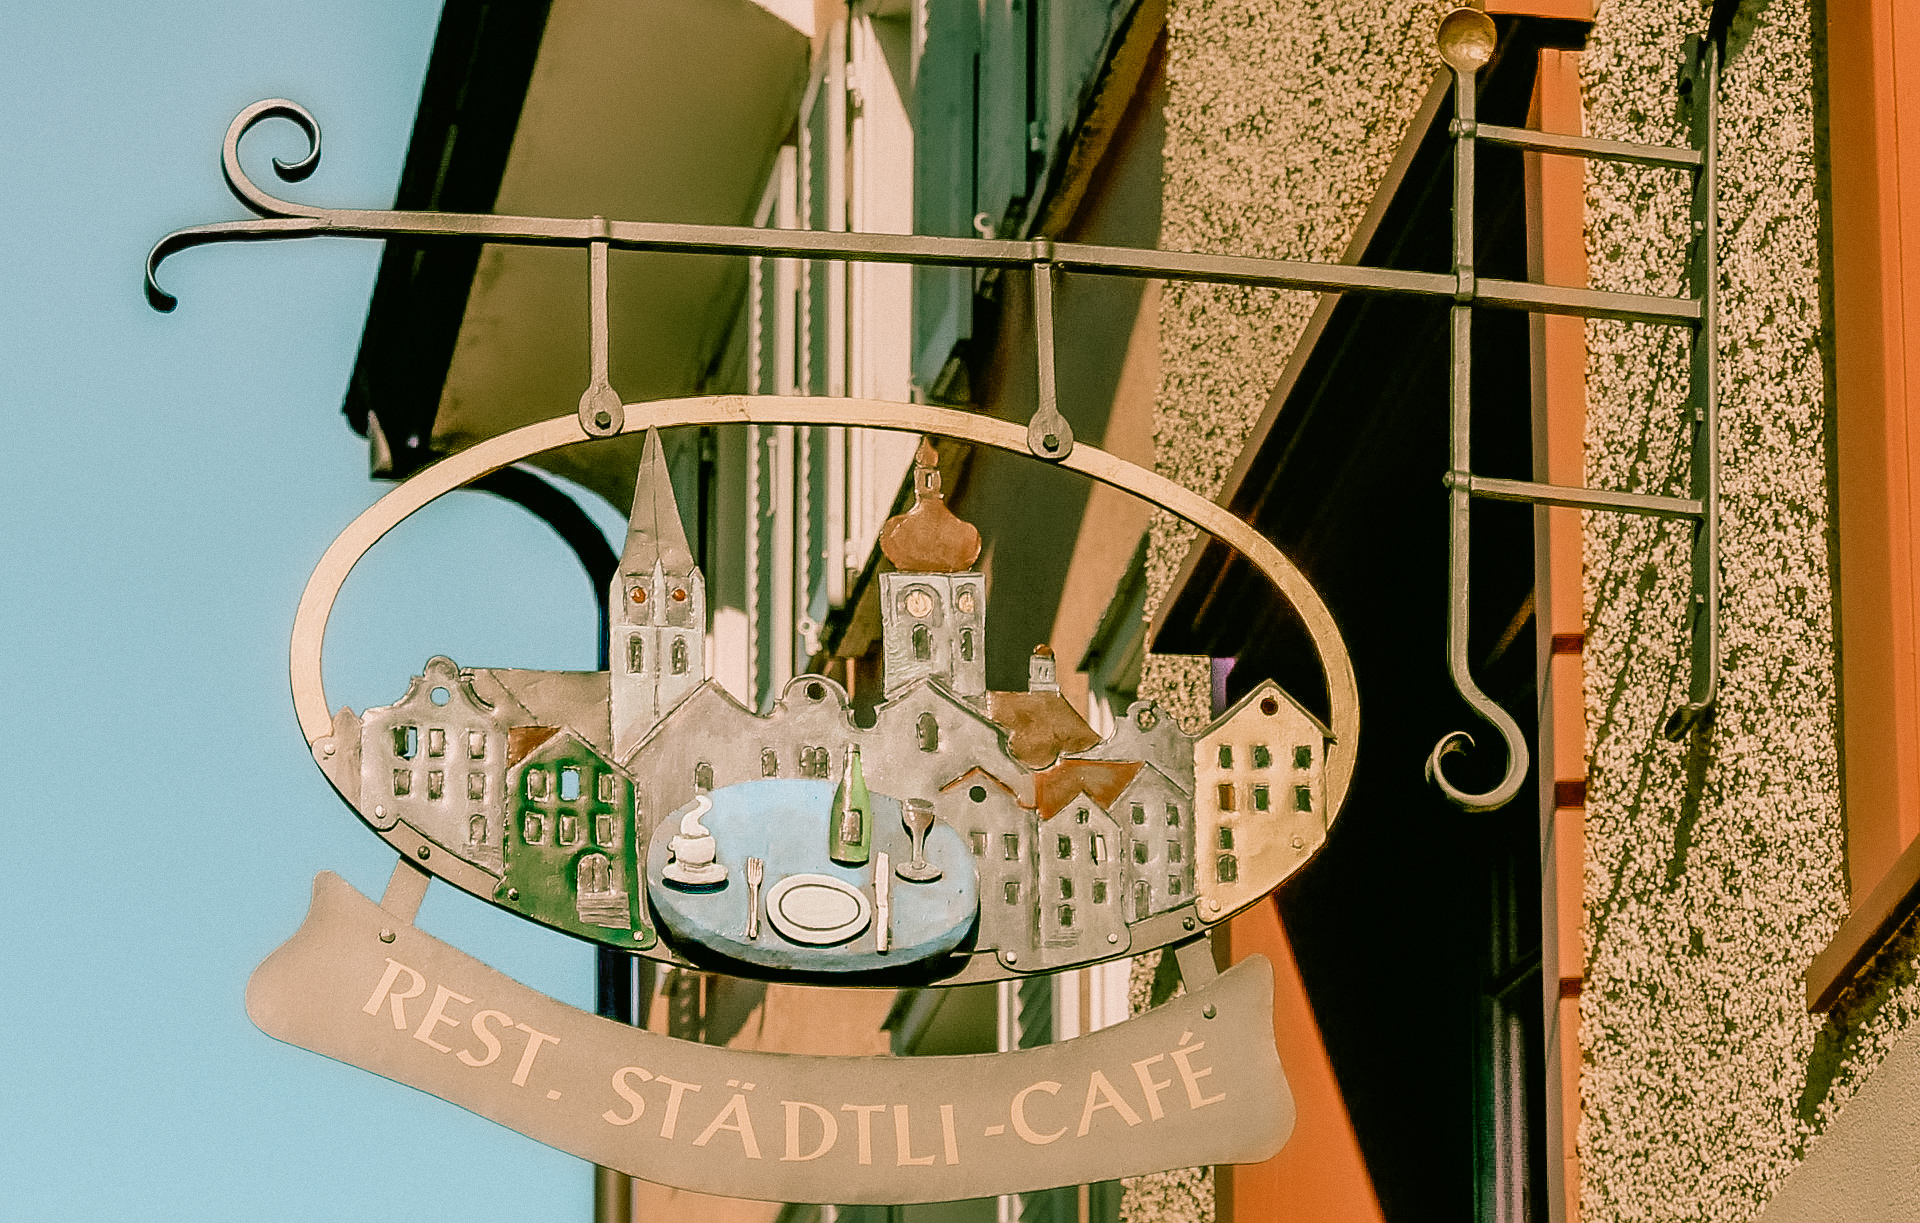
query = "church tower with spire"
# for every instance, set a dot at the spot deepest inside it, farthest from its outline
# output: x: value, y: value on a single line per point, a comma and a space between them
x: 658, y: 610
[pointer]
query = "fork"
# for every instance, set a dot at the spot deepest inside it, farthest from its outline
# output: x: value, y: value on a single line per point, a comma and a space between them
x: 756, y: 871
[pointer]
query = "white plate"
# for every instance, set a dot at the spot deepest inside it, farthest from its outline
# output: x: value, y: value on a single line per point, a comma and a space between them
x: 817, y: 910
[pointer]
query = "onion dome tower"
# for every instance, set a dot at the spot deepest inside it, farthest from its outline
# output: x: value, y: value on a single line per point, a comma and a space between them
x: 933, y: 607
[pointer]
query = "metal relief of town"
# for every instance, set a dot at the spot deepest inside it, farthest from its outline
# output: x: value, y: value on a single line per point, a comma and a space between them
x: 965, y: 835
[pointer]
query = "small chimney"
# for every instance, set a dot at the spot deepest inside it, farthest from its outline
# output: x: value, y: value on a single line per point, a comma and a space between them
x: 1040, y: 673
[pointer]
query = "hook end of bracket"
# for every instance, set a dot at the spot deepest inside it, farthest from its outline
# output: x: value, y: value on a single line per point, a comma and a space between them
x: 1696, y: 715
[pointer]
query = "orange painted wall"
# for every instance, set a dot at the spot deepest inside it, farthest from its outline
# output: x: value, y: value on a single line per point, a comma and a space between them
x: 1319, y: 1176
x: 1873, y: 93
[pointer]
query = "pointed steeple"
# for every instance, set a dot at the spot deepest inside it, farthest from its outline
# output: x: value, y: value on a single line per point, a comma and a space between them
x: 655, y: 534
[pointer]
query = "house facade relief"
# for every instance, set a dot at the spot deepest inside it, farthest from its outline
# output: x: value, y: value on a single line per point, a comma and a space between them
x: 612, y: 805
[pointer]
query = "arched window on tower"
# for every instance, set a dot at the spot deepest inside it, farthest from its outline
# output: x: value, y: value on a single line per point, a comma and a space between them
x: 679, y: 655
x: 636, y: 655
x: 928, y: 730
x: 966, y: 645
x: 922, y: 643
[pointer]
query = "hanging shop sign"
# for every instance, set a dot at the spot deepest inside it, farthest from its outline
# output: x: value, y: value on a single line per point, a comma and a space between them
x: 966, y: 835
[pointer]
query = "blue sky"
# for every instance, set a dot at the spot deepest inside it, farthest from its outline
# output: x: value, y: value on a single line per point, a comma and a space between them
x: 171, y: 481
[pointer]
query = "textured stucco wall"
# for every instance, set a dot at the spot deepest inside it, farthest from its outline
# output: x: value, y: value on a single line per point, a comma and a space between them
x: 1281, y: 118
x: 1715, y: 870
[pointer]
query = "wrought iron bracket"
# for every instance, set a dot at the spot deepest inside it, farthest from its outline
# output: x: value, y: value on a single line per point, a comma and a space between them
x: 1466, y: 38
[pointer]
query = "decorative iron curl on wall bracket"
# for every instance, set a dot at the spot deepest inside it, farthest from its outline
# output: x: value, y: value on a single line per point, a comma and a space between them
x: 1467, y: 39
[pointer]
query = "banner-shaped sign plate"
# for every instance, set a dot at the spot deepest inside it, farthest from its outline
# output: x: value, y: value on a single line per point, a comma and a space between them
x: 1193, y: 1082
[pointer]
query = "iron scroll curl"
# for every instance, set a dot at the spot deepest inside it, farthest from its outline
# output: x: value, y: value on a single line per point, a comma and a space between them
x: 323, y: 587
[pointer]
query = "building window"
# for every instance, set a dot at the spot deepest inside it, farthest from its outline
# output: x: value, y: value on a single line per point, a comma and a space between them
x: 1226, y: 838
x: 679, y: 655
x: 979, y: 842
x: 476, y: 745
x: 1303, y: 757
x: 1139, y: 813
x: 1064, y: 847
x: 402, y: 782
x: 922, y: 643
x: 966, y: 645
x: 1066, y: 915
x: 927, y: 730
x: 1302, y: 798
x: 533, y: 829
x: 1011, y: 891
x: 437, y: 742
x: 1066, y: 888
x: 1225, y: 793
x: 603, y: 831
x: 536, y: 783
x: 476, y: 786
x: 1080, y: 815
x: 569, y: 785
x: 769, y: 762
x: 1173, y: 885
x: 477, y: 830
x: 1097, y: 846
x: 1174, y: 852
x: 814, y: 762
x: 1173, y: 815
x: 1259, y: 798
x: 1099, y: 891
x: 1229, y: 868
x: 703, y: 776
x: 436, y: 784
x: 1262, y: 756
x: 1010, y: 846
x: 607, y: 787
x: 1142, y: 900
x: 1226, y: 755
x: 636, y: 655
x: 977, y: 793
x: 1140, y: 852
x: 406, y: 742
x: 569, y: 830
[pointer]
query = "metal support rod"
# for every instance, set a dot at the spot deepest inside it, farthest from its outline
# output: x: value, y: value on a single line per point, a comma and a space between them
x: 1465, y: 62
x: 1049, y: 435
x: 1586, y: 146
x: 1703, y: 87
x: 284, y: 219
x: 1531, y: 493
x: 601, y: 413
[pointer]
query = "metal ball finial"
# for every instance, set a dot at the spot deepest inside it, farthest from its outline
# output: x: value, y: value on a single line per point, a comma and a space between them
x: 1466, y: 39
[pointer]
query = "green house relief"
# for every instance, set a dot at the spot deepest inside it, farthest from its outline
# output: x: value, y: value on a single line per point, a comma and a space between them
x: 570, y: 858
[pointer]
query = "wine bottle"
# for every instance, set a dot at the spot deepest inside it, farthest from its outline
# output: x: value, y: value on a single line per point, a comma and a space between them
x: 850, y: 834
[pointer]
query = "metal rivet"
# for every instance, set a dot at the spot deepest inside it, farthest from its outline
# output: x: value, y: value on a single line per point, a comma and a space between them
x: 1187, y: 922
x: 513, y: 893
x: 1012, y: 958
x: 386, y: 936
x: 1208, y: 1011
x: 639, y: 936
x: 1213, y: 906
x: 1113, y: 938
x: 327, y: 750
x: 425, y: 852
x: 1299, y: 842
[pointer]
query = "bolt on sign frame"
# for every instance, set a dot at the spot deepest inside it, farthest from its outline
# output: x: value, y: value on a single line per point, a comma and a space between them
x: 304, y: 990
